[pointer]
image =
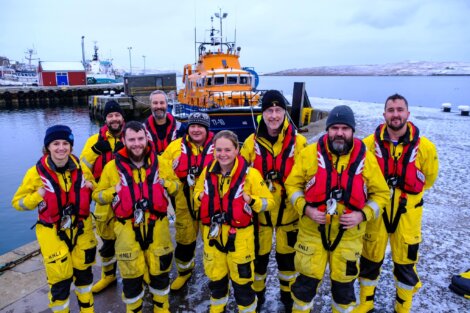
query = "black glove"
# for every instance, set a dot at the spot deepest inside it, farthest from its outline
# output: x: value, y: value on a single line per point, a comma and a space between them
x: 118, y: 146
x: 102, y: 146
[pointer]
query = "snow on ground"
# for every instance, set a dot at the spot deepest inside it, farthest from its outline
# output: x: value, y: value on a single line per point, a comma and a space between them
x: 445, y: 249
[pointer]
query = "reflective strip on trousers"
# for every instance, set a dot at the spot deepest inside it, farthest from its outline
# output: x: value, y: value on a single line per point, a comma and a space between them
x: 60, y: 307
x: 83, y: 289
x: 259, y: 277
x: 112, y: 261
x: 367, y: 282
x: 403, y: 286
x: 343, y: 310
x: 184, y: 266
x: 159, y: 292
x: 286, y: 277
x: 250, y: 308
x: 220, y: 301
x: 133, y: 300
x: 295, y: 196
x: 306, y: 307
x: 374, y: 207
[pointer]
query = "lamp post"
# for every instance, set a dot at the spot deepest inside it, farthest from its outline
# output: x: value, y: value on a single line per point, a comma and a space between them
x: 144, y: 62
x: 130, y: 60
x: 220, y: 16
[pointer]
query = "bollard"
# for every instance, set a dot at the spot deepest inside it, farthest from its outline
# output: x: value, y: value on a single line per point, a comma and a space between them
x: 464, y: 110
x: 446, y: 107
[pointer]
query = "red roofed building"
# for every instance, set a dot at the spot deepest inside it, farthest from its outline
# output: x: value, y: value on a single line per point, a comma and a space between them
x: 61, y: 73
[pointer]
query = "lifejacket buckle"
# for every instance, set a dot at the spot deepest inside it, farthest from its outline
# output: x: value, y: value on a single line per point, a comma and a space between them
x: 214, y: 230
x: 190, y: 179
x: 66, y: 220
x: 138, y: 216
x: 272, y: 175
x: 330, y: 209
x: 336, y: 194
x: 392, y: 181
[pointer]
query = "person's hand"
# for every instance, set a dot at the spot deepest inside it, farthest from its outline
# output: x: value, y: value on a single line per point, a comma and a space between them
x: 247, y: 197
x: 42, y: 191
x: 351, y: 219
x: 315, y: 215
x: 201, y: 195
x: 89, y: 185
x: 102, y: 146
x: 118, y: 146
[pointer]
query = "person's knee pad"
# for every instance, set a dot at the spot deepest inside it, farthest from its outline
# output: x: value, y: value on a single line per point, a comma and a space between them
x: 160, y: 282
x: 261, y: 264
x: 132, y: 287
x: 61, y: 290
x: 185, y: 253
x: 369, y: 269
x: 83, y: 277
x: 244, y: 294
x: 219, y: 288
x: 343, y: 293
x: 406, y: 274
x: 285, y: 262
x: 107, y: 249
x: 305, y: 288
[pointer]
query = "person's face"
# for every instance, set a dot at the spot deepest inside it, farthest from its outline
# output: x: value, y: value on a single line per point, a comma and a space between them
x: 158, y: 106
x: 225, y: 152
x: 59, y: 150
x: 197, y: 133
x: 135, y: 143
x: 340, y: 137
x: 396, y: 114
x: 115, y: 122
x: 274, y: 117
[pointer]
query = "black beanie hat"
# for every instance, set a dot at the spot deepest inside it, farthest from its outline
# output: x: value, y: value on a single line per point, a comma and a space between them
x: 341, y: 114
x: 57, y: 132
x: 273, y: 98
x: 112, y: 106
x: 199, y: 118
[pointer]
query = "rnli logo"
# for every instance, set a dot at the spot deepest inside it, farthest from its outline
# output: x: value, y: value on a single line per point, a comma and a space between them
x: 420, y: 175
x: 125, y: 256
x: 310, y: 183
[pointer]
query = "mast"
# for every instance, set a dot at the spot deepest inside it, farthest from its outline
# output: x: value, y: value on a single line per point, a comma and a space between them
x: 83, y: 51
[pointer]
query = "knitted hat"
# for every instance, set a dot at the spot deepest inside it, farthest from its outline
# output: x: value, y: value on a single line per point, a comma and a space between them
x: 273, y: 98
x: 341, y: 114
x: 199, y: 118
x: 57, y: 132
x: 112, y: 106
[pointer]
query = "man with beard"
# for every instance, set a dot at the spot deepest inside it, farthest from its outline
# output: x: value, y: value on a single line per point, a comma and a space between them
x: 98, y: 151
x: 335, y: 188
x: 162, y: 128
x: 135, y: 185
x: 410, y: 165
x: 272, y: 151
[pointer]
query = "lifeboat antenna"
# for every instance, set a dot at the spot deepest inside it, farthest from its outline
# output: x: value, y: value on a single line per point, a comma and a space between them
x: 220, y: 16
x: 83, y: 51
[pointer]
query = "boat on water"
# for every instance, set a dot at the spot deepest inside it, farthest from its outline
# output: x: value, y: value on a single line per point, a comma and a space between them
x: 98, y: 71
x: 218, y: 85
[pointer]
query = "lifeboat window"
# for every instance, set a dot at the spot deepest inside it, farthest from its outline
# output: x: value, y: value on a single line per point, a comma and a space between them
x: 209, y: 81
x: 244, y: 80
x: 219, y: 80
x: 159, y: 82
x: 232, y: 80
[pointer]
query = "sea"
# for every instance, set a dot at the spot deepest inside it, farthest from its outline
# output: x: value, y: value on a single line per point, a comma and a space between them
x: 23, y: 129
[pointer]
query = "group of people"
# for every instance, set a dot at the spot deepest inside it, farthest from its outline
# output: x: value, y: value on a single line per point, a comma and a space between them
x: 336, y: 202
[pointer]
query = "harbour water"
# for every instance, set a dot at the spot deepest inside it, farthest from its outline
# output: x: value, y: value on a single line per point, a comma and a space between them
x: 23, y: 130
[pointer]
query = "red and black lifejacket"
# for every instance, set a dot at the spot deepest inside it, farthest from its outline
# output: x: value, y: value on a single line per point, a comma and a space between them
x: 170, y: 135
x: 188, y: 160
x: 400, y: 172
x: 104, y: 158
x: 282, y: 164
x: 132, y: 191
x: 327, y: 181
x: 231, y: 205
x: 56, y: 199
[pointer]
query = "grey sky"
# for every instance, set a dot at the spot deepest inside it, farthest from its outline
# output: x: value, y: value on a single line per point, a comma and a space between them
x: 274, y: 35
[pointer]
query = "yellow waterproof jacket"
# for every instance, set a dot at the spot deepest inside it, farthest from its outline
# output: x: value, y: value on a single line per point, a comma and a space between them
x: 248, y: 152
x: 104, y: 192
x: 88, y: 157
x: 426, y: 161
x: 255, y: 187
x: 172, y: 154
x: 27, y: 196
x: 306, y: 167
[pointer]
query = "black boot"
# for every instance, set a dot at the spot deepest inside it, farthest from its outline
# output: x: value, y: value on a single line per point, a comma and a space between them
x: 261, y: 299
x: 286, y: 299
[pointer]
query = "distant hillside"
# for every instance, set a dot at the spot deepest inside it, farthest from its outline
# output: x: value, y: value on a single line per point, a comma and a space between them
x: 390, y: 69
